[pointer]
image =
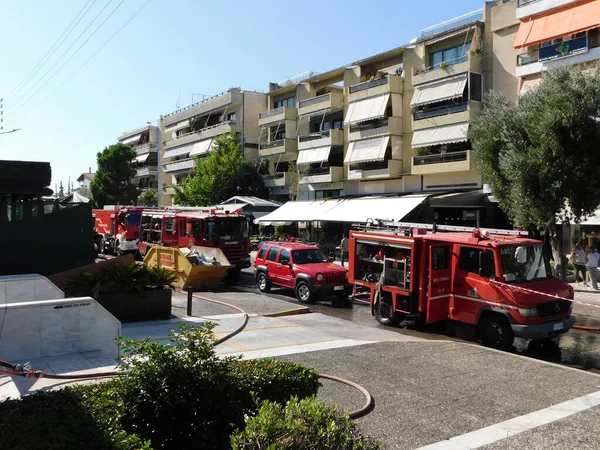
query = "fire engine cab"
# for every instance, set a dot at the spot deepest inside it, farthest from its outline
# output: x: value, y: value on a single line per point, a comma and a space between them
x: 498, y: 280
x: 119, y: 227
x: 207, y: 227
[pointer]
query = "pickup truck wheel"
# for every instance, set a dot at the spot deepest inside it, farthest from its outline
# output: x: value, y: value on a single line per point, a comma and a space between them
x: 495, y: 331
x: 303, y: 292
x: 263, y: 282
x: 384, y: 312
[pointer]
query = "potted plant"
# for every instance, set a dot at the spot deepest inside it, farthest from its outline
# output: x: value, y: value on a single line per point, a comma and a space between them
x: 130, y: 292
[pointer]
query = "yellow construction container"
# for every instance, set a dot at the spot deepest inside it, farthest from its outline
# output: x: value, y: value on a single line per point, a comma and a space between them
x: 197, y: 267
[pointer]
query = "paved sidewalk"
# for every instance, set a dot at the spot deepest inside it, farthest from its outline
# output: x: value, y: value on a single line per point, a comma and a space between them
x: 588, y: 314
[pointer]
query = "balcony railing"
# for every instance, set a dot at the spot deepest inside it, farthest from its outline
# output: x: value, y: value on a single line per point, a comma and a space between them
x: 368, y: 85
x: 440, y: 111
x: 315, y: 136
x: 320, y: 170
x: 370, y: 125
x: 549, y: 52
x: 272, y: 144
x: 442, y: 158
x: 315, y: 100
x: 525, y: 2
x: 207, y: 99
x: 270, y: 113
x: 457, y: 22
x: 443, y: 64
x: 274, y: 176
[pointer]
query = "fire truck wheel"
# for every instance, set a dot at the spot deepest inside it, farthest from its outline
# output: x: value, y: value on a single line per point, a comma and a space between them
x: 384, y: 312
x: 495, y: 331
x: 303, y: 292
x: 263, y: 282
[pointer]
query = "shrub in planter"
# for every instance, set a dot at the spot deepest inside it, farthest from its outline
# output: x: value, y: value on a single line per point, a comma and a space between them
x: 304, y: 423
x: 130, y: 292
x: 183, y: 396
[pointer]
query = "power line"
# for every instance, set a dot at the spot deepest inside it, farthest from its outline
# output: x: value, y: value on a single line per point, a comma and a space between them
x: 93, y: 54
x: 54, y: 48
x: 76, y: 51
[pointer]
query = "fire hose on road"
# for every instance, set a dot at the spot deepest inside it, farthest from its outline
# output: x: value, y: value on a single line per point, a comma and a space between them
x: 26, y: 371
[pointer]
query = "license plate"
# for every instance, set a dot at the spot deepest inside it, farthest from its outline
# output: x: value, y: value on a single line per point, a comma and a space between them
x: 338, y: 288
x: 558, y: 326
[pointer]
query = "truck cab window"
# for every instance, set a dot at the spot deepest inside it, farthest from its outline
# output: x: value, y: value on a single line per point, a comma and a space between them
x: 441, y: 257
x: 469, y: 260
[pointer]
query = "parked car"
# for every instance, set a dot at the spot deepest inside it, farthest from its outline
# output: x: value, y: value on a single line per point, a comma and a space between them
x: 301, y: 267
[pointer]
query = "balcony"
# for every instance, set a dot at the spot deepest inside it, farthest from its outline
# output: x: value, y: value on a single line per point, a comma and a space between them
x: 442, y: 163
x: 332, y: 100
x: 327, y: 175
x: 277, y: 115
x: 321, y: 139
x: 471, y: 62
x: 574, y: 51
x: 230, y: 99
x: 278, y: 147
x: 446, y: 115
x: 179, y: 166
x: 146, y: 148
x: 527, y: 8
x: 392, y: 170
x: 278, y: 179
x: 205, y: 133
x: 146, y: 171
x: 452, y: 24
x: 391, y: 125
x: 390, y: 84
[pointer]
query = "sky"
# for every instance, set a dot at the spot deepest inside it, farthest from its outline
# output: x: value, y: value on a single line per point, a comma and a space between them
x: 70, y: 103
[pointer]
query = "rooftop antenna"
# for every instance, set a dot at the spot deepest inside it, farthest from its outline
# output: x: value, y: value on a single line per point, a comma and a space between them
x: 178, y: 98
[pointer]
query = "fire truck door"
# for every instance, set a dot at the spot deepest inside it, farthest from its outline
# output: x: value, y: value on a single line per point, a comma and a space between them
x: 438, y: 287
x: 169, y: 232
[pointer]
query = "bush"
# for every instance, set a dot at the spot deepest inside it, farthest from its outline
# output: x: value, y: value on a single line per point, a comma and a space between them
x: 304, y: 423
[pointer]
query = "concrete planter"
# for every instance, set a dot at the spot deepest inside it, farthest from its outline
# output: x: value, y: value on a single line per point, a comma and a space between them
x: 150, y: 305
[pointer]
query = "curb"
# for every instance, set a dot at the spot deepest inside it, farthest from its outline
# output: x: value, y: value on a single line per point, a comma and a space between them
x: 289, y: 312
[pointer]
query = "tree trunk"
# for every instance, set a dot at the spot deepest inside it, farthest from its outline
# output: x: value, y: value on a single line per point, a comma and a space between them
x: 555, y: 233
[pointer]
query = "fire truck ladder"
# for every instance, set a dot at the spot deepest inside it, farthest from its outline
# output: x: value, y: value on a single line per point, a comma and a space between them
x: 386, y: 225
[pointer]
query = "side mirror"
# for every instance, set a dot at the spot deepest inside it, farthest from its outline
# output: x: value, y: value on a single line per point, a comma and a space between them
x: 285, y: 262
x: 331, y: 259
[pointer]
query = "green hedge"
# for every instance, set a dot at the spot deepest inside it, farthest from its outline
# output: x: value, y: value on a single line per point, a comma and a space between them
x: 177, y: 396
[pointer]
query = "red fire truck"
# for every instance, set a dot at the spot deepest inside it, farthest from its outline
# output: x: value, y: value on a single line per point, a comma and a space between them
x: 498, y: 280
x: 119, y: 227
x: 207, y: 227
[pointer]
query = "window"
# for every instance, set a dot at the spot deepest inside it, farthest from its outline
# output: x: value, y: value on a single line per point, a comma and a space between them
x: 272, y: 256
x: 475, y: 90
x: 284, y: 256
x: 231, y: 117
x: 169, y: 225
x: 309, y: 256
x: 450, y: 55
x: 332, y: 193
x: 469, y: 259
x: 262, y: 252
x: 290, y: 102
x: 441, y: 258
x: 338, y: 124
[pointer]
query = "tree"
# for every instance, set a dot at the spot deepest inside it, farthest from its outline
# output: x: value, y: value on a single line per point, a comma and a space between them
x: 540, y: 156
x: 222, y: 174
x: 297, y: 173
x: 147, y: 196
x: 84, y: 190
x: 61, y: 190
x: 112, y: 183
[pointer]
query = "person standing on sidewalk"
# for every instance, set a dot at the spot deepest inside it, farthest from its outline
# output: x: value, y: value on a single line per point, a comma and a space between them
x: 591, y: 263
x: 344, y: 244
x: 578, y: 259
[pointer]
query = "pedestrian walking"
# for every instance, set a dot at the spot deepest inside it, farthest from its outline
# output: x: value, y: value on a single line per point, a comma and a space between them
x: 344, y: 244
x: 578, y: 259
x: 591, y: 264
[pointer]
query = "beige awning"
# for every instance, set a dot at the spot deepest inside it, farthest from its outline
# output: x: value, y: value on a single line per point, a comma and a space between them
x: 201, y: 148
x: 440, y: 135
x: 132, y: 139
x: 178, y: 151
x: 529, y: 84
x: 439, y: 90
x: 313, y: 155
x: 367, y: 109
x: 367, y: 150
x: 142, y: 158
x: 177, y: 126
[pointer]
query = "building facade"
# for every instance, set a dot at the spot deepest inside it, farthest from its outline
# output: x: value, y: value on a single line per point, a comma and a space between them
x: 188, y: 133
x: 145, y: 140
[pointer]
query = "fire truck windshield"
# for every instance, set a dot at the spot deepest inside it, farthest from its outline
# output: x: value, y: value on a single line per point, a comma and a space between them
x: 522, y: 263
x: 227, y: 229
x: 133, y: 219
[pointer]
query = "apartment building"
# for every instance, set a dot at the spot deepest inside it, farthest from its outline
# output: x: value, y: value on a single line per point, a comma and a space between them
x: 188, y: 133
x: 553, y: 33
x: 146, y: 142
x: 391, y: 123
